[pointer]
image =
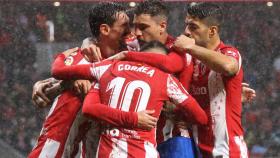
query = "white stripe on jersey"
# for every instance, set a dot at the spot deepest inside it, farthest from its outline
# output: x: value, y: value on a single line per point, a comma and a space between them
x: 99, y: 70
x: 50, y: 148
x: 239, y: 140
x: 174, y: 92
x: 119, y: 148
x: 83, y: 61
x: 150, y: 150
x: 239, y: 63
x: 188, y: 59
x: 217, y: 97
x: 53, y: 106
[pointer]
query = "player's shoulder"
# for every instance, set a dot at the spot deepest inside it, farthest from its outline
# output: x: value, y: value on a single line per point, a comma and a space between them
x: 229, y: 50
x: 227, y: 47
x: 75, y: 58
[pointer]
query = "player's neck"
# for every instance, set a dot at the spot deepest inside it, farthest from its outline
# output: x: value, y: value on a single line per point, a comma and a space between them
x: 213, y: 44
x: 107, y: 50
x: 164, y: 37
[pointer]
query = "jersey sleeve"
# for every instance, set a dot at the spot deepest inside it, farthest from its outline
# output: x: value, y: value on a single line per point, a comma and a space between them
x: 185, y: 76
x: 92, y: 107
x: 232, y: 52
x: 171, y: 63
x: 183, y: 100
x: 86, y: 71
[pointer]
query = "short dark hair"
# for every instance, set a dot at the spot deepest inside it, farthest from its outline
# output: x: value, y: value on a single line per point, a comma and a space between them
x: 130, y: 13
x: 103, y: 13
x: 211, y: 12
x: 153, y: 8
x: 152, y: 45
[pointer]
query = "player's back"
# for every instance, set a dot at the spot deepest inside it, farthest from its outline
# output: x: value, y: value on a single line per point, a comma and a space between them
x: 131, y: 86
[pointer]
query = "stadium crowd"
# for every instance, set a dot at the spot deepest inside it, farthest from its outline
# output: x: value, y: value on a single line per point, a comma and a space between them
x: 251, y: 27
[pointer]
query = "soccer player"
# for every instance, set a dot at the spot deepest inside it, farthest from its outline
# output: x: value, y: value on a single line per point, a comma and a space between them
x: 130, y: 86
x: 151, y: 24
x: 216, y: 82
x: 57, y: 125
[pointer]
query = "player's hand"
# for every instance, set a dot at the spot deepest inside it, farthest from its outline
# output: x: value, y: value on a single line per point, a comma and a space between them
x: 183, y: 43
x: 118, y: 56
x: 81, y: 87
x: 54, y: 90
x: 39, y: 96
x: 145, y: 120
x: 70, y: 51
x: 91, y: 53
x: 248, y: 94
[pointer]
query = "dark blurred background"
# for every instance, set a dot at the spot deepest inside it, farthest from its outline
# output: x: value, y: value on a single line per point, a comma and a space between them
x: 28, y: 44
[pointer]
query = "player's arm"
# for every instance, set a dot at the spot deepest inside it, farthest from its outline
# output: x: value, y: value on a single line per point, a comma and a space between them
x: 186, y: 102
x: 64, y: 72
x: 41, y: 91
x: 171, y: 63
x: 218, y: 62
x: 185, y: 76
x: 92, y: 107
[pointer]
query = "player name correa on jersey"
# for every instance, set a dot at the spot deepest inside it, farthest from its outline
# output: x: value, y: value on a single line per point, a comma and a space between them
x: 143, y: 69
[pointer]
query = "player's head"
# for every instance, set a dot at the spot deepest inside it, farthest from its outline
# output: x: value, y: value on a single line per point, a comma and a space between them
x: 154, y: 47
x: 108, y: 21
x: 203, y: 22
x: 151, y: 21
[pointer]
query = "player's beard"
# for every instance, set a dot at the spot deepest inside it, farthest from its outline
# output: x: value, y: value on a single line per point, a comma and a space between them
x: 122, y: 45
x: 141, y: 42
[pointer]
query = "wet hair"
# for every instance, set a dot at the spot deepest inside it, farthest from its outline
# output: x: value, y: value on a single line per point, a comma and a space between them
x: 103, y: 13
x: 130, y: 13
x: 209, y: 12
x: 153, y: 8
x: 154, y: 45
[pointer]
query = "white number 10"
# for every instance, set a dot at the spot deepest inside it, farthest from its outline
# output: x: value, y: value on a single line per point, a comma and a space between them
x: 117, y: 85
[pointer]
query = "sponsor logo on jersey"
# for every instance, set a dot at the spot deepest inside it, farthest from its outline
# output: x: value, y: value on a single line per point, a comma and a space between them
x: 198, y: 90
x: 69, y: 60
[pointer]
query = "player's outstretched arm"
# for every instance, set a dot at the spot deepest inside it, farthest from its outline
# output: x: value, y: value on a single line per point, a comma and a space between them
x: 171, y: 63
x: 64, y: 72
x: 193, y: 111
x: 180, y: 97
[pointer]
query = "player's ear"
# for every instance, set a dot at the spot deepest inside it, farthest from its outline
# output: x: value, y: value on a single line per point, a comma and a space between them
x: 213, y: 30
x: 104, y: 29
x: 163, y: 26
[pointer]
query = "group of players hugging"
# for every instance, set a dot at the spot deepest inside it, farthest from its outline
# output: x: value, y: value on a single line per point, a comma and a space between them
x: 132, y: 90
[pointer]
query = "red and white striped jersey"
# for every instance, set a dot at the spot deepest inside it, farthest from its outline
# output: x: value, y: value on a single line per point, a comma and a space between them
x: 131, y: 86
x: 59, y: 121
x: 220, y: 97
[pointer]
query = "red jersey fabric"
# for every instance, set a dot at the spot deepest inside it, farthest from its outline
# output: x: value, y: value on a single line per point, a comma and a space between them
x: 220, y: 97
x: 131, y: 86
x: 171, y: 63
x: 59, y: 121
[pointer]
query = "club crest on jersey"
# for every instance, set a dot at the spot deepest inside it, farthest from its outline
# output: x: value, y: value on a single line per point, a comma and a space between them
x: 202, y: 68
x: 69, y: 60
